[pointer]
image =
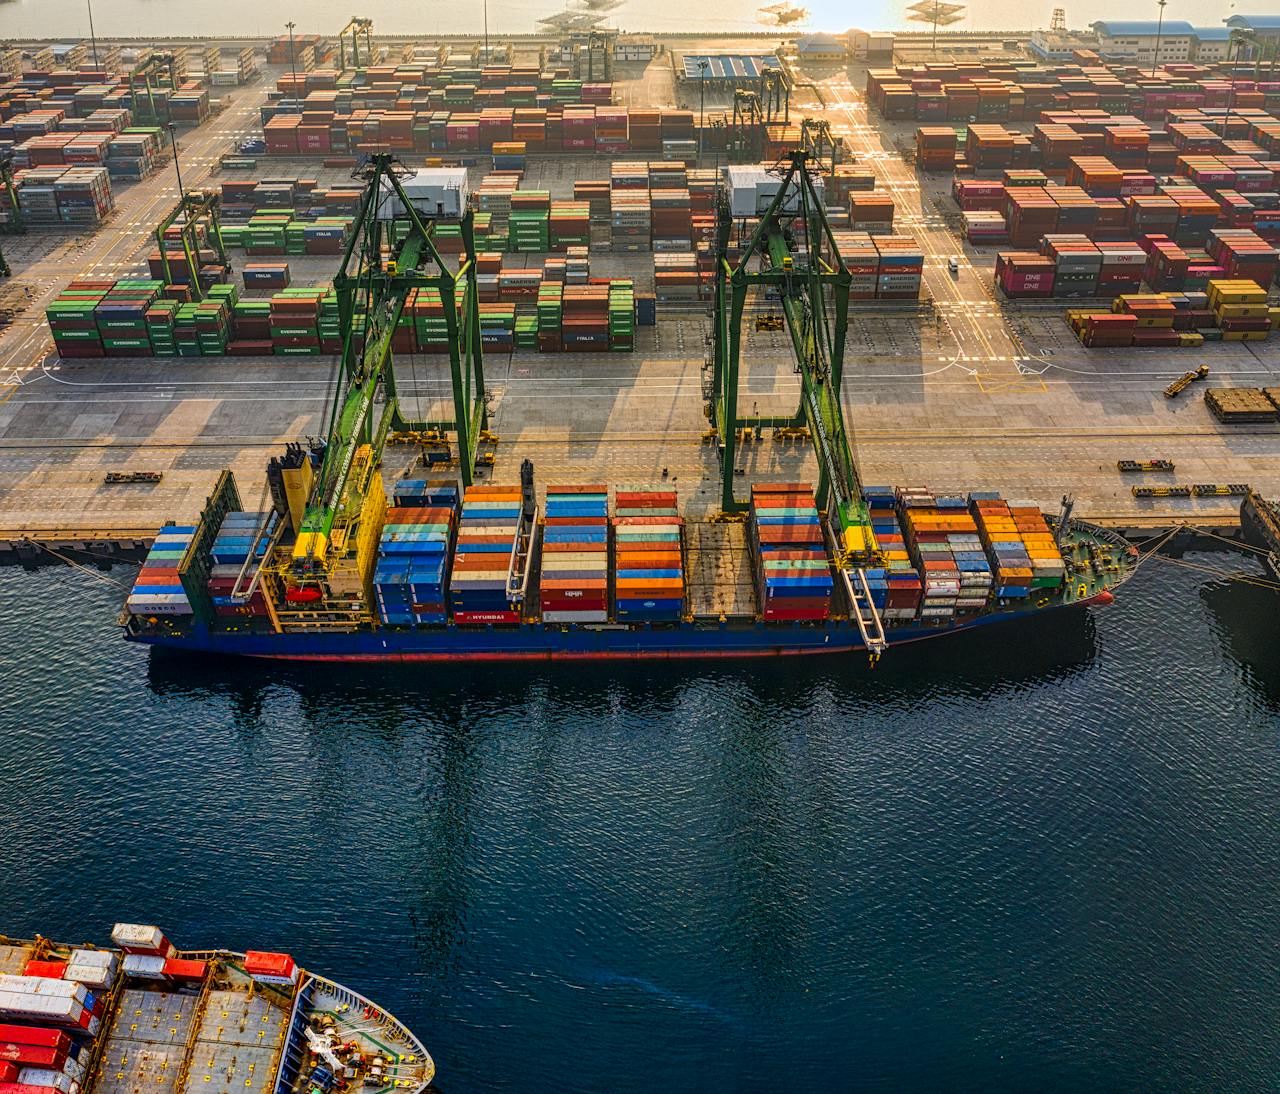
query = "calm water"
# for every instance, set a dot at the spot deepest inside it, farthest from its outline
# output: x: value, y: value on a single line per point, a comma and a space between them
x: 1042, y: 859
x: 267, y: 17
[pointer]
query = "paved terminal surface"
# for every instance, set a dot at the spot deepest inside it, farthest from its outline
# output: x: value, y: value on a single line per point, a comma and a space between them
x: 965, y: 392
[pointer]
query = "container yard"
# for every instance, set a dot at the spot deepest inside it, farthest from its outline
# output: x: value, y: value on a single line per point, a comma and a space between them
x: 140, y: 1011
x: 998, y: 257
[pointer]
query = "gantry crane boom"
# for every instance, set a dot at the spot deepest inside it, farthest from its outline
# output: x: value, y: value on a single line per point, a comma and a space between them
x: 812, y: 282
x: 365, y: 405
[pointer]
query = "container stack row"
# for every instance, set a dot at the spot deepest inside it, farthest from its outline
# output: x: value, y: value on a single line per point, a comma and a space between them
x: 574, y: 585
x: 413, y: 564
x: 901, y: 580
x: 158, y: 590
x: 944, y: 543
x: 488, y: 530
x: 792, y: 568
x: 1022, y: 547
x: 231, y: 563
x: 648, y: 548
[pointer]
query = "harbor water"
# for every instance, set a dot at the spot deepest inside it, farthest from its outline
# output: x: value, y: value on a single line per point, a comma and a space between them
x: 1040, y: 857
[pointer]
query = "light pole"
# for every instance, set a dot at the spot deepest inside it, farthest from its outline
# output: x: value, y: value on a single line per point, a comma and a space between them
x: 173, y: 140
x: 293, y: 56
x: 486, y: 31
x: 1240, y: 37
x: 703, y: 65
x: 93, y: 38
x: 1155, y: 61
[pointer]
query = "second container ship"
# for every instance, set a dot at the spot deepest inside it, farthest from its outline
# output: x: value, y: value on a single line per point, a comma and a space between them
x: 142, y: 1015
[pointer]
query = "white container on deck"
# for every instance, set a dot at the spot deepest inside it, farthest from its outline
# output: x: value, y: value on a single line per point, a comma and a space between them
x: 142, y: 937
x: 144, y: 965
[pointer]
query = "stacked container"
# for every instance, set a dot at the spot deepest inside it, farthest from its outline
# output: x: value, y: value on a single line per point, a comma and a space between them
x: 48, y: 1001
x: 903, y: 588
x: 487, y: 539
x: 793, y: 572
x: 574, y: 585
x: 648, y: 537
x: 1003, y: 533
x: 229, y: 556
x: 413, y: 562
x: 158, y: 590
x: 927, y: 529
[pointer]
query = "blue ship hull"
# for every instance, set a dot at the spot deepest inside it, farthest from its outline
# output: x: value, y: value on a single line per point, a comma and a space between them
x: 538, y: 642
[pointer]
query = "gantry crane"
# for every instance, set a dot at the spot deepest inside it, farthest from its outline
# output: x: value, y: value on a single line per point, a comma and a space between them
x: 144, y: 110
x: 359, y: 29
x: 346, y: 488
x: 822, y: 145
x: 195, y: 208
x: 793, y: 252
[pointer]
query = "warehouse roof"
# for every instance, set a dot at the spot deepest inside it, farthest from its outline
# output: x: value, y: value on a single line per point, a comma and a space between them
x: 1113, y: 29
x: 1255, y: 22
x: 1213, y: 34
x: 725, y: 66
x: 820, y: 43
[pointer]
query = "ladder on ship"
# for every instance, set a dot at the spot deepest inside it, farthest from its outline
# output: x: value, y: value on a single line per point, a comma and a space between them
x: 862, y: 609
x: 522, y: 550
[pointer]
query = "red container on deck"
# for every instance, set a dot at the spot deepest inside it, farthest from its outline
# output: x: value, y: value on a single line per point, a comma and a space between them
x: 486, y: 617
x: 51, y: 969
x: 177, y: 968
x: 260, y: 963
x: 8, y: 1073
x: 34, y: 1035
x: 32, y: 1056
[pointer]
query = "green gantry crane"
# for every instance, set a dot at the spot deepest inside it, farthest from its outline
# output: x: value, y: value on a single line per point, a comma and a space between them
x: 162, y: 67
x: 793, y: 252
x: 381, y: 275
x: 195, y: 207
x: 361, y: 30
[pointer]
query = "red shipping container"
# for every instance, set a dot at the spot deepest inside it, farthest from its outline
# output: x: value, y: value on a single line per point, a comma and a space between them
x: 34, y: 1035
x: 260, y: 963
x: 790, y: 615
x: 8, y: 1073
x: 33, y: 1056
x: 51, y: 969
x: 481, y: 617
x: 184, y: 969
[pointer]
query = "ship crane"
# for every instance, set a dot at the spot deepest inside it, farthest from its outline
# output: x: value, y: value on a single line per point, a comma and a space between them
x: 793, y: 252
x: 341, y: 494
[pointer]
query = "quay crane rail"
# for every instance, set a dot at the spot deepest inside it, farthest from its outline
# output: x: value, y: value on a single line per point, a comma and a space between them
x: 798, y: 257
x: 382, y: 275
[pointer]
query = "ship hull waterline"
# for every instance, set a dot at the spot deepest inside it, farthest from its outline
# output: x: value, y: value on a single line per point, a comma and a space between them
x: 535, y: 642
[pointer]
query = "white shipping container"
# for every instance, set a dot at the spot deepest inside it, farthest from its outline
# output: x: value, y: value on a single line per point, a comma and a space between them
x: 283, y: 981
x: 93, y: 959
x: 43, y: 986
x: 39, y: 1076
x: 159, y: 604
x: 74, y: 1069
x: 90, y: 975
x: 575, y: 617
x: 144, y: 965
x: 139, y: 936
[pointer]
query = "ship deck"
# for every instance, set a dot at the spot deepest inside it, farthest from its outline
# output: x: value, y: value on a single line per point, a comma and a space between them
x: 233, y: 1035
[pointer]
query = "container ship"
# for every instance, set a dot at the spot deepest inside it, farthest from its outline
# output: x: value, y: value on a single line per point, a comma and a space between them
x: 490, y: 574
x: 140, y: 1014
x: 1260, y: 524
x: 458, y: 570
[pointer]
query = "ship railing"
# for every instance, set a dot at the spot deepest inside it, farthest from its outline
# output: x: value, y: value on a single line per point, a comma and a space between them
x: 863, y: 610
x: 521, y: 564
x: 389, y: 1028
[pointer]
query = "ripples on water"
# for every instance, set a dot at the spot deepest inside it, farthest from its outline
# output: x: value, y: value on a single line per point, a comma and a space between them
x: 1043, y: 857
